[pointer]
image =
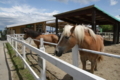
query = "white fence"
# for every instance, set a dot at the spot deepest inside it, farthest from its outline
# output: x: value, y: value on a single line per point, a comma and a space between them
x: 106, y: 35
x: 75, y: 72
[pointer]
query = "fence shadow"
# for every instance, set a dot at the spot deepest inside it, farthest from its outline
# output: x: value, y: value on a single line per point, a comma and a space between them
x: 32, y: 64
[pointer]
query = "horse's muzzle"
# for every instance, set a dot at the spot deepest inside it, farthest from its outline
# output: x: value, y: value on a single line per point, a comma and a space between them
x: 59, y: 52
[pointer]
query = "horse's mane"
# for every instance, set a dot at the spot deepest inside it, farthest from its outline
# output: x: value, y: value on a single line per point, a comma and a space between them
x: 32, y: 33
x: 78, y: 32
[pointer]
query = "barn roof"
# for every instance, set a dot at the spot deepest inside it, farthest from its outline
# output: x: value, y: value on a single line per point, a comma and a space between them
x: 22, y: 24
x: 84, y: 16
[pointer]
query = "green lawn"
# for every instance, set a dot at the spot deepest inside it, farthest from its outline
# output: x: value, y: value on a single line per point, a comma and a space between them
x: 21, y: 73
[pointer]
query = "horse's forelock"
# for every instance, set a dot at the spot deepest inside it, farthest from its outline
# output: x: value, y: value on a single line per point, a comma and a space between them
x: 66, y: 31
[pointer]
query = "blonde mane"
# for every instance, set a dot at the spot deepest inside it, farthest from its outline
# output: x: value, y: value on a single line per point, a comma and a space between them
x: 79, y: 32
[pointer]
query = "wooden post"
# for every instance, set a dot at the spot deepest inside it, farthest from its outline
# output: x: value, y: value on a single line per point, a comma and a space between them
x: 115, y: 30
x: 94, y: 21
x: 34, y: 27
x: 30, y: 40
x: 118, y: 34
x: 16, y: 46
x: 56, y: 26
x: 41, y: 61
x: 43, y: 27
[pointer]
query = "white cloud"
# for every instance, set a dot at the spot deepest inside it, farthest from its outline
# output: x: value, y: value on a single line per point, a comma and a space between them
x: 113, y: 2
x: 11, y: 1
x: 78, y: 1
x: 23, y: 14
x: 83, y: 1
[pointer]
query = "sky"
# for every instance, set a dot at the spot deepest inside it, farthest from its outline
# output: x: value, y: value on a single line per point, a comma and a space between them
x: 26, y: 11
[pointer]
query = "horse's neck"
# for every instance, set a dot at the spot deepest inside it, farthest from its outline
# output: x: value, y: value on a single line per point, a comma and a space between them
x: 88, y: 41
x: 35, y: 35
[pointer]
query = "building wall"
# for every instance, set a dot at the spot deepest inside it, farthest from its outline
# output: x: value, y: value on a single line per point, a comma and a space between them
x: 35, y: 27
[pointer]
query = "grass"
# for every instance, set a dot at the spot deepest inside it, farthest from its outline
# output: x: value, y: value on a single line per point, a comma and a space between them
x: 22, y: 74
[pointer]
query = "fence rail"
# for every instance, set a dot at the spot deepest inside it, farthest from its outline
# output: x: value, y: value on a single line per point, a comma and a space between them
x: 76, y: 49
x: 10, y: 40
x: 74, y: 71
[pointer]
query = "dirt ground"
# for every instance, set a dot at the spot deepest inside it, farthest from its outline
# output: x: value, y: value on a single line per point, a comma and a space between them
x: 109, y: 68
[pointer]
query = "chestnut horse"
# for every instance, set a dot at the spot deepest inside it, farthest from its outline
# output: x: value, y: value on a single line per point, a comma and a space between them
x: 85, y: 38
x: 35, y: 35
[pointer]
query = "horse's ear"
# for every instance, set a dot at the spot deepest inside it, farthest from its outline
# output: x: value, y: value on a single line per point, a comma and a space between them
x: 72, y: 29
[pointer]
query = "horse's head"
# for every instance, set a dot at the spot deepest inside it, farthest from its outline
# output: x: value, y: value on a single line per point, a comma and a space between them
x: 26, y: 32
x: 66, y: 42
x: 30, y: 33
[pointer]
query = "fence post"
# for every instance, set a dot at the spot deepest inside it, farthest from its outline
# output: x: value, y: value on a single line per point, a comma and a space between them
x: 30, y: 43
x: 16, y: 46
x: 23, y: 52
x: 41, y: 61
x: 75, y: 55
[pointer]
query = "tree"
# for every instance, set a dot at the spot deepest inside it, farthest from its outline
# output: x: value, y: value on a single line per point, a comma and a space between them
x: 106, y: 28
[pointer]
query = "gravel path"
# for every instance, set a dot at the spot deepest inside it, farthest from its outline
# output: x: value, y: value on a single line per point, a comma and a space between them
x: 3, y: 65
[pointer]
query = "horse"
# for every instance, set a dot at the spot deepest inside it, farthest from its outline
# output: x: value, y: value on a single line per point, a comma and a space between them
x: 35, y: 35
x: 85, y: 38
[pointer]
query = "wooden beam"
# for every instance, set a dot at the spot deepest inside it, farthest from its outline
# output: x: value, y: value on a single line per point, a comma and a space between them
x: 118, y: 34
x: 56, y: 29
x: 77, y: 20
x: 83, y: 19
x: 69, y: 21
x: 74, y: 13
x: 115, y: 32
x: 94, y: 20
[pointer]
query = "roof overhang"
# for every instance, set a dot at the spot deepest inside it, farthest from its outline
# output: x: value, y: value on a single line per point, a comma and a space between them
x: 22, y: 24
x: 84, y: 16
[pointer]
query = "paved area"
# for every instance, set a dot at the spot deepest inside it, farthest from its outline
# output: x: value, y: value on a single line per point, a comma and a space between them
x: 3, y: 65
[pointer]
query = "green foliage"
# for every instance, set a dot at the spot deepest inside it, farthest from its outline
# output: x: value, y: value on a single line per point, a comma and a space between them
x: 3, y: 34
x: 106, y: 28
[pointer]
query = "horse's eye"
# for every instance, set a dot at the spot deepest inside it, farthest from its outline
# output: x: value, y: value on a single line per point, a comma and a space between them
x: 66, y: 37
